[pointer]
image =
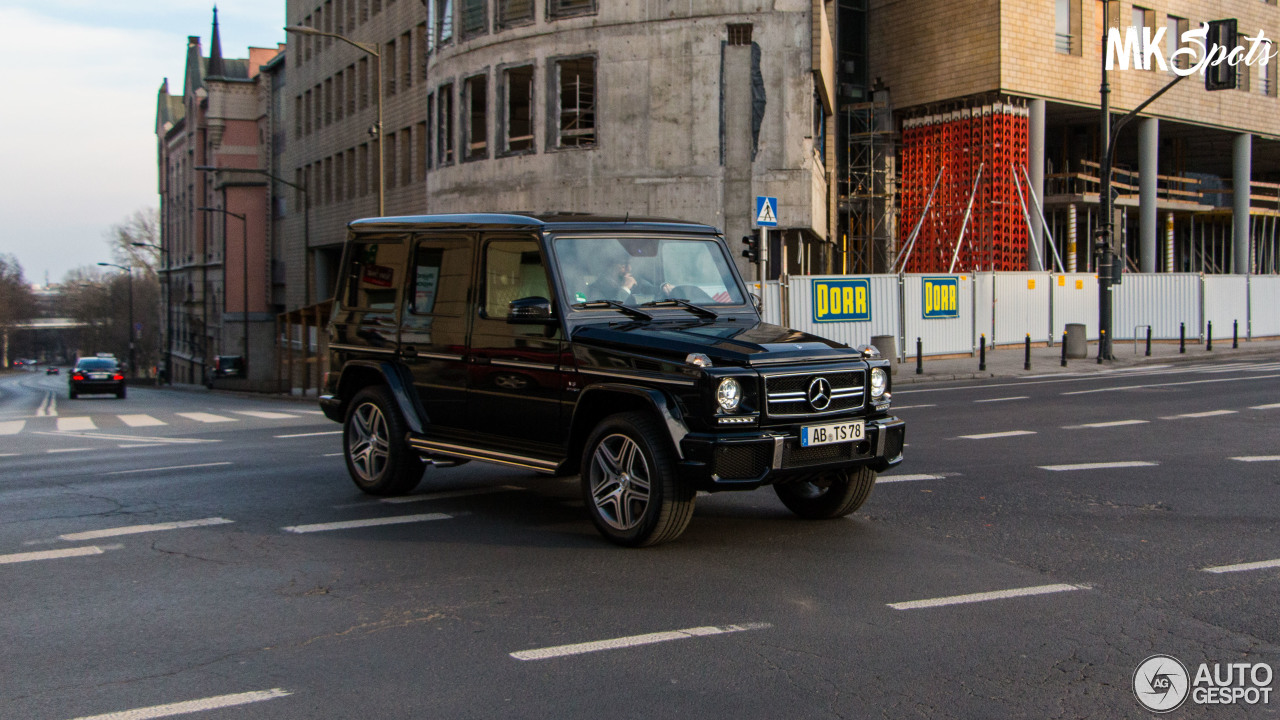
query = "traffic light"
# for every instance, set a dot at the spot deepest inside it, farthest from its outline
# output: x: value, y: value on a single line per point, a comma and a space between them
x: 752, y: 252
x: 1222, y: 76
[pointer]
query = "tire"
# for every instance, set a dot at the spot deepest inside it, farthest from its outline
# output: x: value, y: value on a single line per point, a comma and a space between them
x: 630, y: 485
x: 827, y: 495
x: 120, y: 394
x: 73, y: 394
x: 378, y: 460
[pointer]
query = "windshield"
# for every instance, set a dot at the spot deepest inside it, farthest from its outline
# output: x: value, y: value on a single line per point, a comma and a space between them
x: 635, y: 270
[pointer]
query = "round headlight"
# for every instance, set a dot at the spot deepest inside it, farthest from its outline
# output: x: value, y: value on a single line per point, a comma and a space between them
x: 879, y: 382
x: 729, y: 394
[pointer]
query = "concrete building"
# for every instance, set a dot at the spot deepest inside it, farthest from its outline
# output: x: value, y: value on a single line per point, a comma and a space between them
x: 217, y: 256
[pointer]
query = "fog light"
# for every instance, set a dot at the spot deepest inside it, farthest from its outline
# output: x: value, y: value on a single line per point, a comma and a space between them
x: 729, y: 394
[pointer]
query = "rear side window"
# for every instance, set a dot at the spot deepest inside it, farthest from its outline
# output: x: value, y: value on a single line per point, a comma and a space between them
x: 440, y: 277
x: 513, y: 270
x: 374, y: 271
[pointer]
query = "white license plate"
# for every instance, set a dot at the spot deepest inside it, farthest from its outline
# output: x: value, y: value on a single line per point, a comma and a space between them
x: 811, y: 435
x: 97, y: 376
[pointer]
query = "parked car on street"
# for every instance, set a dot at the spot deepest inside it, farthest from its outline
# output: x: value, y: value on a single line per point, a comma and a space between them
x: 51, y: 370
x: 96, y: 375
x: 627, y: 351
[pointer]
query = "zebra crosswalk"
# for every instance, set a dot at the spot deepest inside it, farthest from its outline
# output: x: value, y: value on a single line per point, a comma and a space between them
x: 108, y: 421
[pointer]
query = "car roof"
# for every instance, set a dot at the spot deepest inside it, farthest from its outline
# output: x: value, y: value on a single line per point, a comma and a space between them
x: 545, y: 222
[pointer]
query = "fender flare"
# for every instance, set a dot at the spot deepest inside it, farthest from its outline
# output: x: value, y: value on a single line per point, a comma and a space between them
x: 662, y: 405
x: 398, y: 381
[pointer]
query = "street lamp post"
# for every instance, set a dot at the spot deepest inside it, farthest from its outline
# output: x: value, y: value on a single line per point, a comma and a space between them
x: 375, y: 50
x: 306, y: 217
x: 129, y: 271
x: 244, y: 279
x: 168, y: 309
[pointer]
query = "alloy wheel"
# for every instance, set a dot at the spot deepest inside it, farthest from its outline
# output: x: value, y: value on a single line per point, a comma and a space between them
x: 367, y: 442
x: 620, y: 481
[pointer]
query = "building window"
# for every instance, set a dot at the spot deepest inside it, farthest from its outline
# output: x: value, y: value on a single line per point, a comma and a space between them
x: 389, y: 67
x: 557, y: 9
x: 351, y: 89
x: 406, y: 61
x: 518, y: 106
x: 1174, y: 28
x: 420, y: 147
x: 740, y: 34
x: 363, y: 75
x: 444, y: 22
x: 351, y: 174
x: 362, y: 169
x: 309, y: 114
x: 1066, y: 27
x: 431, y: 116
x: 297, y: 116
x: 444, y: 125
x: 328, y: 101
x: 1243, y: 80
x: 475, y: 18
x: 339, y: 187
x: 514, y: 12
x: 1144, y: 18
x: 406, y: 157
x: 339, y: 99
x: 1267, y: 73
x: 423, y: 51
x: 576, y: 93
x: 375, y: 7
x: 476, y: 91
x: 389, y: 159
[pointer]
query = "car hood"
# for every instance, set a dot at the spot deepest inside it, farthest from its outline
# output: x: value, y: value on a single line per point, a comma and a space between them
x: 725, y: 342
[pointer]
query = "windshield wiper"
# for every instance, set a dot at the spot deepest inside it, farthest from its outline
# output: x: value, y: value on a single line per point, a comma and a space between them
x: 681, y: 302
x: 633, y: 312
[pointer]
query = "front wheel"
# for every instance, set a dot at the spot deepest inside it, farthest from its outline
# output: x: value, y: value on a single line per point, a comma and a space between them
x: 378, y: 460
x: 630, y: 485
x: 829, y: 494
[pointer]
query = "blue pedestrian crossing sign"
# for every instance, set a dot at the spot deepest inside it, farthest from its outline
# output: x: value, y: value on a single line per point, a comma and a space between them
x: 766, y: 211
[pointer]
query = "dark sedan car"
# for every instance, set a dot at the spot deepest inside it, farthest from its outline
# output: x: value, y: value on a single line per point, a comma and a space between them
x: 96, y: 375
x: 51, y: 370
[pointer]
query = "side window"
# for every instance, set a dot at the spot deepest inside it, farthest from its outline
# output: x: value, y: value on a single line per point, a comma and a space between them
x: 373, y: 274
x: 513, y: 270
x: 439, y: 278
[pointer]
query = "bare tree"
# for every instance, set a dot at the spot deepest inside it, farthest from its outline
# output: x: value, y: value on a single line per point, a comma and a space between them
x: 142, y: 226
x: 17, y: 302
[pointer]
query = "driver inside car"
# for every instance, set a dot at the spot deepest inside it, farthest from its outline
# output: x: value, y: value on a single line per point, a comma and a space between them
x: 616, y: 282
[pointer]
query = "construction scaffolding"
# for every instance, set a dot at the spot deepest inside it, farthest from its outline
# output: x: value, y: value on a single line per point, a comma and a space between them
x: 868, y: 242
x: 979, y: 150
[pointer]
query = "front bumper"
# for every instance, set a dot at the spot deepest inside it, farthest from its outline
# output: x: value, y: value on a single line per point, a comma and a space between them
x: 331, y: 406
x: 748, y: 460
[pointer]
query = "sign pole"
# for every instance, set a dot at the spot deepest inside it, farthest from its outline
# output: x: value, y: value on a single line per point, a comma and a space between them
x: 762, y: 267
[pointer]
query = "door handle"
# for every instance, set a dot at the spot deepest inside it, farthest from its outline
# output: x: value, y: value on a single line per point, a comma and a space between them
x: 409, y: 352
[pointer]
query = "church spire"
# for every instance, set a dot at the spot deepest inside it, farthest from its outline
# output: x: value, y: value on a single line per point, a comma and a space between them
x: 216, y: 66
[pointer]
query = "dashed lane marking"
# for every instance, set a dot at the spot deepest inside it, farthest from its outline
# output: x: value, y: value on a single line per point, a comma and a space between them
x: 136, y: 529
x: 912, y: 478
x: 1190, y: 416
x: 55, y: 451
x: 264, y: 415
x: 140, y: 420
x: 1003, y: 399
x: 992, y: 436
x: 12, y: 427
x: 1272, y: 406
x: 633, y: 641
x: 192, y: 706
x: 1258, y: 458
x: 1098, y: 466
x: 205, y: 417
x: 371, y: 522
x: 130, y: 438
x: 75, y: 424
x: 985, y: 596
x: 171, y: 467
x: 312, y: 434
x: 912, y: 407
x: 50, y: 554
x: 1242, y: 567
x: 1172, y: 384
x: 1111, y: 424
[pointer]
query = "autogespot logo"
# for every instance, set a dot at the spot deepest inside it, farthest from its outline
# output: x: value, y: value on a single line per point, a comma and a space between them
x: 1161, y: 683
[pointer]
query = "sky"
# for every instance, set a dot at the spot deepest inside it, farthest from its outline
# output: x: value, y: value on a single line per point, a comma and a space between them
x: 78, y: 110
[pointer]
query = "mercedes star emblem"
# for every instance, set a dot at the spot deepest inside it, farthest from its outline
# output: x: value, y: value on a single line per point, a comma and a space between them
x: 819, y: 394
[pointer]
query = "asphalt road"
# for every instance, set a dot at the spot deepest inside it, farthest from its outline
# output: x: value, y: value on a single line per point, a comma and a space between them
x: 191, y: 562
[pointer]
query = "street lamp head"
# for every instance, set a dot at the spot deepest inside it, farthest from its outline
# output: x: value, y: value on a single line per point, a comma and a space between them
x: 302, y: 30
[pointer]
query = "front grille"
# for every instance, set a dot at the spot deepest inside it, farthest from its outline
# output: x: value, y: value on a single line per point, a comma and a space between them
x: 787, y: 395
x: 742, y: 461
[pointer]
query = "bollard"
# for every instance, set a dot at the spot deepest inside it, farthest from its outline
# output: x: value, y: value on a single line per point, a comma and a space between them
x: 982, y: 354
x: 1148, y: 341
x: 919, y: 357
x: 1026, y: 363
x: 1235, y: 334
x: 1064, y: 348
x: 1182, y: 337
x: 1208, y: 342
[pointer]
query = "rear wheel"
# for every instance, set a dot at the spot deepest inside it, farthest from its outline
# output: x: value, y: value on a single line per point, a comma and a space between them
x: 73, y: 394
x: 120, y: 393
x: 630, y: 485
x: 378, y: 460
x: 829, y: 494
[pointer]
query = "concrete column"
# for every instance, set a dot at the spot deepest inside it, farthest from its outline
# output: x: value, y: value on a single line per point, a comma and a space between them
x: 1035, y: 169
x: 1148, y: 168
x: 1242, y: 170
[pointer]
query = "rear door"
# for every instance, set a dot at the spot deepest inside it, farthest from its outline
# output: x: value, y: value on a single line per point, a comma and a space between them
x: 434, y: 328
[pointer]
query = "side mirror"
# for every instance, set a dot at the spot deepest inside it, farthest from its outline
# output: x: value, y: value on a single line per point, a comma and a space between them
x: 530, y: 311
x: 755, y: 300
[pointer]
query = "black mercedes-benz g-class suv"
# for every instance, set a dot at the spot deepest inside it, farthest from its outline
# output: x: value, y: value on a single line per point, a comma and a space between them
x: 626, y: 350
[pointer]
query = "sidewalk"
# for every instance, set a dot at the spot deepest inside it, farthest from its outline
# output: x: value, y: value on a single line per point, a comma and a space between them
x: 1009, y: 361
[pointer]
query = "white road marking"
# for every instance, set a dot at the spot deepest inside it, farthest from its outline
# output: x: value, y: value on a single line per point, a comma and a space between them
x: 913, y: 407
x: 192, y: 706
x: 632, y: 641
x: 1261, y: 565
x: 140, y: 445
x: 908, y: 478
x: 371, y: 522
x: 1173, y: 384
x: 333, y: 455
x: 140, y: 420
x: 448, y: 494
x: 171, y: 467
x: 985, y: 596
x: 50, y: 554
x: 1273, y: 406
x: 10, y: 454
x: 1098, y: 466
x: 990, y: 436
x: 12, y: 427
x: 263, y: 414
x: 1113, y: 423
x: 312, y: 412
x: 66, y: 450
x: 74, y: 424
x: 136, y: 529
x: 1210, y: 413
x: 205, y: 417
x: 1258, y: 458
x: 1004, y: 399
x: 128, y: 438
x: 313, y: 434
